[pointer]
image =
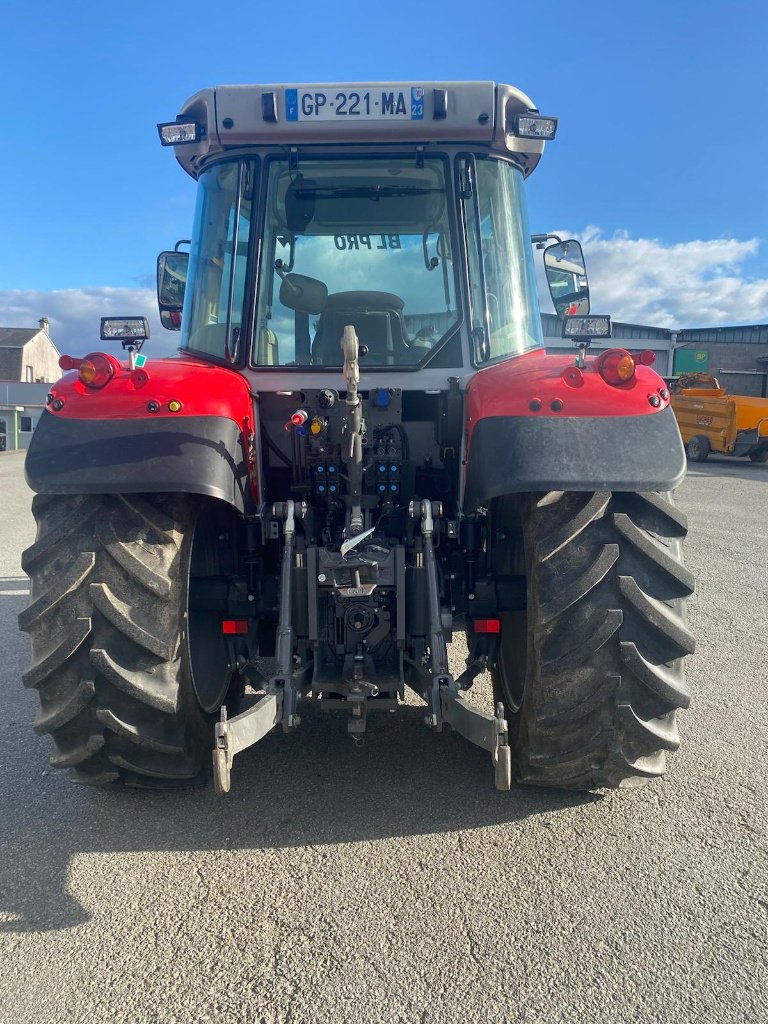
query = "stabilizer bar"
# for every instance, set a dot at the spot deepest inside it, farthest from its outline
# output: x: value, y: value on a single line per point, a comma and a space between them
x: 487, y: 731
x: 447, y: 705
x: 235, y: 734
x: 279, y: 704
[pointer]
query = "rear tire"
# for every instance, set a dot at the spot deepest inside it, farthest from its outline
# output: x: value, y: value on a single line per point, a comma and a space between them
x: 761, y: 456
x: 698, y: 448
x: 591, y: 673
x: 108, y: 627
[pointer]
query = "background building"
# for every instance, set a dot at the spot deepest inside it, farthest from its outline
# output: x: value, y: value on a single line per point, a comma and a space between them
x: 28, y: 355
x: 29, y: 362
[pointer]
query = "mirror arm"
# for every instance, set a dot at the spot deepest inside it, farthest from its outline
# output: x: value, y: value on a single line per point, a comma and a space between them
x: 429, y: 263
x: 541, y: 240
x: 282, y: 269
x: 290, y: 241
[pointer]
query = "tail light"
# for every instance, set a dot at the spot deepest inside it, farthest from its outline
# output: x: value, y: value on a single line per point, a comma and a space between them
x: 234, y: 627
x: 616, y: 366
x: 97, y: 369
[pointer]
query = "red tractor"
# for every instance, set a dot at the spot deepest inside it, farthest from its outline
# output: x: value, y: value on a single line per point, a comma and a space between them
x: 361, y: 447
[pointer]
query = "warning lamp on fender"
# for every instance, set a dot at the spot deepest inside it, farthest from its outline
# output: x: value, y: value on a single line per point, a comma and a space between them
x: 616, y: 366
x: 97, y: 369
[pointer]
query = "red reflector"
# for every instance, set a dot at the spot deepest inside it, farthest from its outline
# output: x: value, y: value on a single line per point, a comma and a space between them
x: 234, y: 627
x: 573, y: 376
x: 487, y: 625
x: 648, y: 357
x: 68, y: 362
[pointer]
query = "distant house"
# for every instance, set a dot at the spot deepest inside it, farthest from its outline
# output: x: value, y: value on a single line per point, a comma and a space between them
x: 27, y: 355
x: 29, y: 362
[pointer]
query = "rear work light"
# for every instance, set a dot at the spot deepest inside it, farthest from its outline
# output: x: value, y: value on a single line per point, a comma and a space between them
x: 130, y: 329
x: 179, y: 133
x: 616, y: 366
x: 580, y: 327
x: 97, y: 369
x: 528, y: 126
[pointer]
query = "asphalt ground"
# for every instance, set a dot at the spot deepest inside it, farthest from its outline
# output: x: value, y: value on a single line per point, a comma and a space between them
x: 390, y: 882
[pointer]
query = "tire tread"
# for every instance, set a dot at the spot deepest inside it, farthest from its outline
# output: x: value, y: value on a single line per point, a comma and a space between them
x: 106, y: 621
x: 607, y: 636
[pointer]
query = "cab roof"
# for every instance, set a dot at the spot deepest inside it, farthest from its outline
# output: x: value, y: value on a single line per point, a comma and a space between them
x: 480, y: 114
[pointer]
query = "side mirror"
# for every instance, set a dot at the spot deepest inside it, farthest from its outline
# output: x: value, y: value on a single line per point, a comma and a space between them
x: 302, y: 294
x: 567, y: 278
x: 171, y: 283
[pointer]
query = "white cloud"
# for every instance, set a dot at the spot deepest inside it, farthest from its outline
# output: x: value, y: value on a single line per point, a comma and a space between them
x: 74, y: 315
x: 699, y: 283
x: 684, y: 284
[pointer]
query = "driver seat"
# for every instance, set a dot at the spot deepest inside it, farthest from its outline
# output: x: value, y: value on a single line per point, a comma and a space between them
x: 378, y: 321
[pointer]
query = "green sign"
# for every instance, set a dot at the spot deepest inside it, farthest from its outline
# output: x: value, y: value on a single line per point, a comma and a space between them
x: 691, y: 360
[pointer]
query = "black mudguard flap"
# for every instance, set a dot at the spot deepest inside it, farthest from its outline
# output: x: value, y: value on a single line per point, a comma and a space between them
x: 190, y: 454
x: 511, y: 454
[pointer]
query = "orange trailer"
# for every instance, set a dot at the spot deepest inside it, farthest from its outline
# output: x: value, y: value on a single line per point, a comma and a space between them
x: 712, y: 420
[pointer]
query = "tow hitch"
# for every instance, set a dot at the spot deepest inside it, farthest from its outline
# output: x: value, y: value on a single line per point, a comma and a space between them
x: 357, y: 581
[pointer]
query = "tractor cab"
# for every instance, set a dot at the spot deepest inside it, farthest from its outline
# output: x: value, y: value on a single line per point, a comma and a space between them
x: 398, y: 210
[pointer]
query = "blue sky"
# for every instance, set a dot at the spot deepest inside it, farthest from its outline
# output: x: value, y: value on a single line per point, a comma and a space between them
x: 659, y: 165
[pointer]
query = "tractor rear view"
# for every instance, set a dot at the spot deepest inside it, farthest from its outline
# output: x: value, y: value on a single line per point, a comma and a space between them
x: 361, y: 447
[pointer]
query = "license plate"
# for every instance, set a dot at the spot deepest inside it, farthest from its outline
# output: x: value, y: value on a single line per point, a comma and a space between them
x: 398, y: 103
